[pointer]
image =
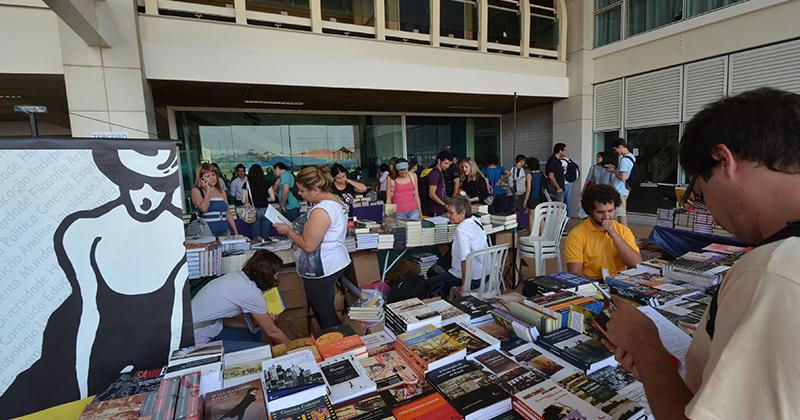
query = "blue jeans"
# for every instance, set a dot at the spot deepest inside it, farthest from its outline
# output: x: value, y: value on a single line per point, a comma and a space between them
x: 235, y: 339
x: 413, y: 214
x: 262, y: 226
x: 567, y: 196
x: 440, y: 284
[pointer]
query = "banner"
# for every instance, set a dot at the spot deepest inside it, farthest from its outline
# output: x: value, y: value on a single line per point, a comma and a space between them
x: 92, y: 266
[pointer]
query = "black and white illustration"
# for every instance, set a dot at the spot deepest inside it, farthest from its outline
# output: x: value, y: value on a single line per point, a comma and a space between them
x: 102, y: 259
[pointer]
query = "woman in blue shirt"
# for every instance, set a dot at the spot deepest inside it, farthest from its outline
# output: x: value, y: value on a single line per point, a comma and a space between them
x: 212, y: 202
x: 289, y: 204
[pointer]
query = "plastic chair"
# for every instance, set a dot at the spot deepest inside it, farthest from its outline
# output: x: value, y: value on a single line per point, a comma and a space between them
x: 494, y: 260
x: 549, y: 223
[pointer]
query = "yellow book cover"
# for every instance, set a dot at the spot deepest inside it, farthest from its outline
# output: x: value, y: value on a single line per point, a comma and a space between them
x: 274, y: 302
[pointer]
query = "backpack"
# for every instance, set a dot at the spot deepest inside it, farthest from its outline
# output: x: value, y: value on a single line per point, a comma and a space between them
x: 422, y: 189
x: 409, y: 286
x: 633, y: 177
x: 573, y: 171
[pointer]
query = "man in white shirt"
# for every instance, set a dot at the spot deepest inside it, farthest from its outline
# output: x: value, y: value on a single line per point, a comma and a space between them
x: 742, y: 158
x: 469, y: 237
x: 237, y: 185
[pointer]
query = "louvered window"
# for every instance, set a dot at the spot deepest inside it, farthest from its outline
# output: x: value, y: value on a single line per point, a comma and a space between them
x: 607, y: 103
x: 776, y: 66
x: 653, y: 98
x: 705, y: 82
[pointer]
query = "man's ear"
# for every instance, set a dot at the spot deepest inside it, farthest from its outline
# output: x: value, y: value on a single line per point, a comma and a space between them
x: 726, y: 159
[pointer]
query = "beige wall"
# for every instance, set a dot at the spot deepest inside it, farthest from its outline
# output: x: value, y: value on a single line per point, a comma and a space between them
x: 181, y: 49
x: 29, y: 39
x: 746, y: 25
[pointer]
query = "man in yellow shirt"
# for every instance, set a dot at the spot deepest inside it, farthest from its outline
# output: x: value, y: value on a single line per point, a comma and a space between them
x: 600, y: 242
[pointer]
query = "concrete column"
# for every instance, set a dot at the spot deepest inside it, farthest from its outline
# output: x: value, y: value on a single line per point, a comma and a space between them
x: 572, y: 117
x: 106, y: 87
x: 380, y: 19
x: 436, y: 22
x: 316, y: 16
x: 525, y: 42
x: 483, y: 25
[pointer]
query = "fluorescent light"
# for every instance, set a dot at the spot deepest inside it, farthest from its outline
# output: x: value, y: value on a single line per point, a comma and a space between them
x: 290, y: 103
x: 10, y: 97
x: 466, y: 107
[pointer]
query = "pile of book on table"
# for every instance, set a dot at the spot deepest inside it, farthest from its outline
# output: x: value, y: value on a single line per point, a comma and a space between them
x: 506, y: 220
x: 368, y: 307
x: 423, y: 261
x: 203, y: 257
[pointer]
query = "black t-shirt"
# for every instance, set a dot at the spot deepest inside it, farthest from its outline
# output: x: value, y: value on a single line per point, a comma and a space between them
x: 554, y: 166
x: 260, y: 196
x: 346, y: 195
x: 476, y: 188
x: 450, y: 176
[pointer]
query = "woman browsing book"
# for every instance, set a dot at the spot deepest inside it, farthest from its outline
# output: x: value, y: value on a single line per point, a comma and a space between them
x: 235, y: 294
x: 402, y: 192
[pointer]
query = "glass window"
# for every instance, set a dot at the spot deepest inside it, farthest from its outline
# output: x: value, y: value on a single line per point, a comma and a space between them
x: 608, y: 26
x: 465, y: 136
x: 357, y: 12
x: 230, y: 138
x: 297, y: 8
x: 504, y: 22
x: 599, y: 4
x: 656, y: 151
x: 603, y: 140
x: 644, y: 15
x: 544, y: 32
x: 701, y: 6
x: 408, y: 15
x: 459, y: 19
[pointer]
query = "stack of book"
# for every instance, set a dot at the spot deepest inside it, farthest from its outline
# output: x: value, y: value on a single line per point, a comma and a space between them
x: 470, y: 391
x: 203, y: 260
x: 273, y: 244
x: 585, y: 353
x: 339, y: 340
x: 233, y: 260
x: 366, y: 225
x: 428, y: 236
x: 408, y: 315
x: 366, y: 241
x: 648, y: 289
x: 484, y: 218
x: 440, y: 229
x: 204, y: 358
x: 413, y: 228
x: 652, y: 266
x: 350, y: 242
x: 543, y: 319
x: 368, y: 308
x: 346, y: 378
x: 665, y: 218
x: 473, y: 339
x: 423, y: 261
x: 290, y: 381
x: 477, y: 310
x: 507, y: 220
x: 480, y: 208
x: 125, y: 395
x: 682, y: 221
x: 702, y: 221
x: 234, y: 242
x: 428, y: 348
x: 385, y: 241
x: 448, y: 312
x: 451, y: 232
x: 376, y: 343
x: 700, y: 269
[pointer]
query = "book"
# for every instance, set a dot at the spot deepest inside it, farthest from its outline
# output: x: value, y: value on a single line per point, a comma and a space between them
x: 548, y: 400
x: 160, y: 404
x: 430, y: 406
x: 299, y: 344
x: 198, y: 352
x: 469, y: 390
x: 378, y: 342
x: 389, y: 370
x: 608, y: 401
x: 429, y: 348
x: 125, y: 407
x: 332, y: 334
x: 516, y: 327
x: 510, y: 375
x: 352, y: 345
x: 244, y: 401
x: 272, y: 298
x: 538, y: 359
x: 346, y: 378
x: 319, y: 408
x: 584, y: 352
x: 132, y: 383
x: 369, y: 407
x: 474, y: 340
x: 654, y: 266
x: 244, y: 366
x: 476, y: 309
x: 291, y: 380
x: 189, y: 405
x: 210, y: 369
x: 448, y: 312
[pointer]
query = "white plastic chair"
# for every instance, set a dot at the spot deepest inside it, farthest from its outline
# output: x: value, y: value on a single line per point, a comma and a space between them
x: 544, y: 242
x: 494, y: 260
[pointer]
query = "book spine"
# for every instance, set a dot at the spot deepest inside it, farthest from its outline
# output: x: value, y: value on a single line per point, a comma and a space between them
x: 189, y: 403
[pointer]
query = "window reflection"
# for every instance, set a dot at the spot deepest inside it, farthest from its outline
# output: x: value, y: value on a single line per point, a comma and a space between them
x: 357, y: 12
x: 656, y: 151
x: 459, y: 19
x: 297, y: 8
x: 408, y: 15
x: 475, y: 137
x: 504, y: 22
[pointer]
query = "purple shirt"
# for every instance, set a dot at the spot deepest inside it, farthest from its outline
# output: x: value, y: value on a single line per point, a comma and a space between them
x: 435, y: 178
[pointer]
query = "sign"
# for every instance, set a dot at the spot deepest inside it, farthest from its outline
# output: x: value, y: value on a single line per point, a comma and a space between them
x: 110, y: 135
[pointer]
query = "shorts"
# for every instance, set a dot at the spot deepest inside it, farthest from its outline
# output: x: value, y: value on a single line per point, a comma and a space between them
x: 621, y: 209
x: 533, y: 202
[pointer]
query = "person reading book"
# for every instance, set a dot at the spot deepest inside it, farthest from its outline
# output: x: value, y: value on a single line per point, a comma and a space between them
x: 600, y: 242
x: 469, y: 237
x: 741, y: 156
x: 235, y: 294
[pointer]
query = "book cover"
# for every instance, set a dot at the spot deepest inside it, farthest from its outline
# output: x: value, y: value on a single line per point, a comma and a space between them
x: 370, y: 407
x: 431, y: 406
x: 346, y: 378
x: 430, y: 344
x: 549, y: 401
x: 474, y: 340
x: 448, y: 312
x: 125, y: 408
x: 132, y: 383
x: 378, y: 342
x: 189, y: 405
x: 467, y: 388
x: 474, y: 307
x: 389, y: 370
x: 290, y: 374
x: 244, y: 401
x: 319, y: 408
x: 293, y: 346
x: 584, y: 352
x: 343, y: 345
x: 539, y: 361
x: 160, y: 405
x: 333, y: 334
x: 405, y: 393
x: 272, y: 298
x: 601, y: 397
x: 244, y: 366
x: 509, y: 374
x: 200, y: 351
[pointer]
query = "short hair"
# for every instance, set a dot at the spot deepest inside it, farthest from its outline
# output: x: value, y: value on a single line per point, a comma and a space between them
x: 620, y: 142
x: 599, y: 193
x: 337, y: 169
x: 760, y: 126
x: 444, y: 155
x: 533, y: 164
x: 492, y: 159
x: 559, y: 147
x: 383, y: 168
x: 280, y: 165
x: 460, y: 205
x: 313, y: 177
x: 519, y: 158
x: 239, y: 166
x: 262, y: 267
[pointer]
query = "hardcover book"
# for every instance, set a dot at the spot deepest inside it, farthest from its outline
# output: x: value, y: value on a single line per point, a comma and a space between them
x: 244, y: 401
x: 346, y: 378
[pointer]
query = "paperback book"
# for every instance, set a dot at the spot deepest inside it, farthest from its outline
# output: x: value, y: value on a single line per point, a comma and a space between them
x: 292, y: 379
x: 474, y: 340
x: 244, y: 401
x: 476, y: 309
x: 319, y: 408
x: 469, y: 390
x: 586, y: 353
x: 244, y: 366
x: 346, y: 378
x: 368, y: 407
x: 389, y: 370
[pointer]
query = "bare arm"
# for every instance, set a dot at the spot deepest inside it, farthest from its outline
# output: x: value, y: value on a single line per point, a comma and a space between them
x: 284, y: 195
x: 456, y: 186
x: 527, y: 189
x: 200, y: 201
x: 359, y: 187
x: 435, y: 198
x: 314, y: 231
x: 552, y: 178
x: 267, y: 324
x: 389, y: 190
x: 416, y: 196
x: 628, y: 255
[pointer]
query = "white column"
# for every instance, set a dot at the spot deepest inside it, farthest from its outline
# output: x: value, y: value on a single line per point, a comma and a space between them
x: 525, y: 13
x: 380, y: 19
x: 240, y: 11
x: 316, y: 16
x: 483, y: 25
x: 435, y: 22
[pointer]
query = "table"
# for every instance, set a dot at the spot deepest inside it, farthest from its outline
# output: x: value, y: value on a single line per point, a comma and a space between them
x: 677, y: 242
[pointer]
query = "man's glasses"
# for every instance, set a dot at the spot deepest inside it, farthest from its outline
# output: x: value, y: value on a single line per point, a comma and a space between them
x: 692, y: 198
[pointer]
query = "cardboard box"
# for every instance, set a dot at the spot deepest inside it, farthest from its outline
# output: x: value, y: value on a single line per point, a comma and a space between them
x: 294, y: 322
x: 289, y: 281
x: 364, y: 269
x: 294, y: 299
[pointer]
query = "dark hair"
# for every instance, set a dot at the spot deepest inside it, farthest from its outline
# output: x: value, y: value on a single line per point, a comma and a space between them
x: 444, y: 155
x: 559, y: 147
x: 214, y: 164
x: 239, y: 166
x: 533, y: 164
x: 261, y: 268
x: 761, y: 126
x: 492, y: 159
x: 619, y: 142
x: 280, y: 165
x: 337, y: 169
x: 519, y: 158
x: 383, y: 168
x: 255, y: 176
x: 602, y: 155
x: 600, y: 193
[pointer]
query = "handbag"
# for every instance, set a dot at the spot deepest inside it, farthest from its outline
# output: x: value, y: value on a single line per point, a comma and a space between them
x: 198, y: 227
x: 247, y: 212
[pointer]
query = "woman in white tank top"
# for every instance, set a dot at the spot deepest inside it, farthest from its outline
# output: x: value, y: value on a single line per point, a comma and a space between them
x: 319, y: 236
